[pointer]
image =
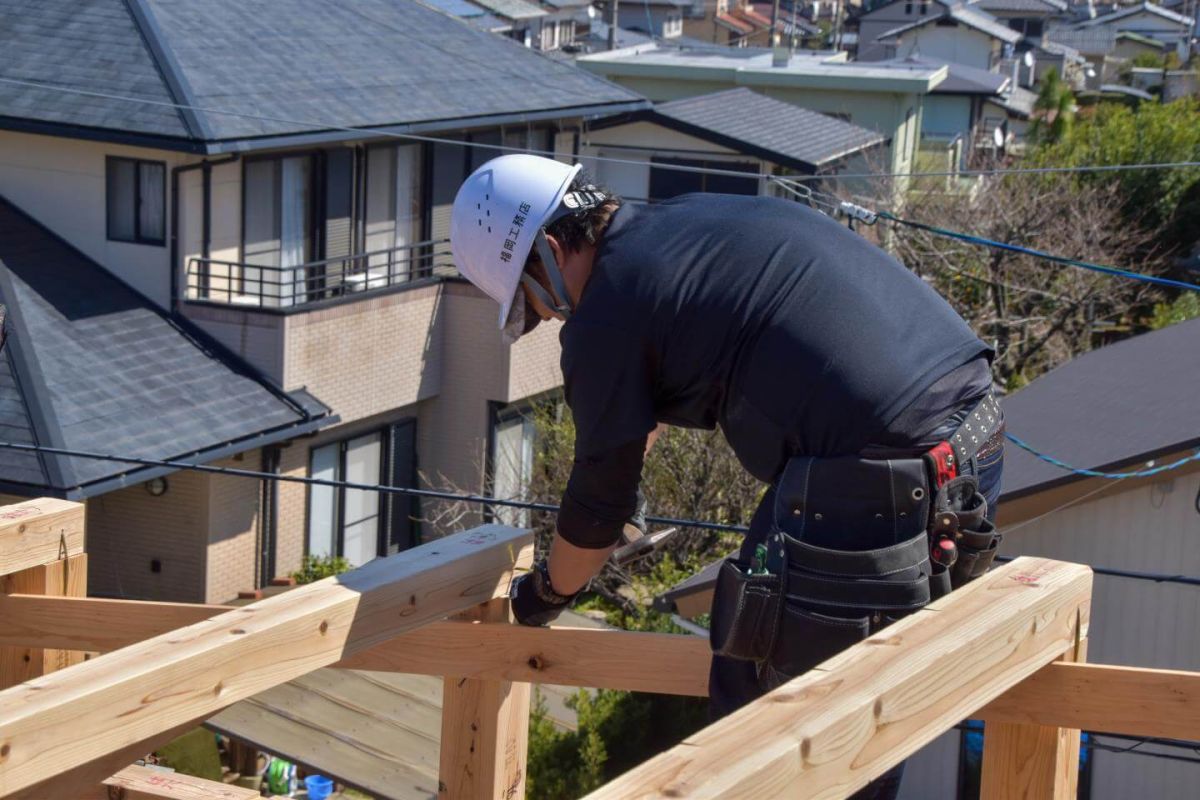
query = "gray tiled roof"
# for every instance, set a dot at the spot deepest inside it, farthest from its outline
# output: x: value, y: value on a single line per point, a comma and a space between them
x: 89, y: 364
x: 351, y: 63
x: 1129, y: 11
x: 1048, y: 7
x: 513, y: 9
x: 777, y: 130
x: 1139, y: 393
x: 91, y: 46
x: 961, y: 78
x: 980, y: 21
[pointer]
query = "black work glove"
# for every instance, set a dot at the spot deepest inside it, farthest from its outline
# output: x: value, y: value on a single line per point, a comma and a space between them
x: 534, y: 602
x: 638, y: 520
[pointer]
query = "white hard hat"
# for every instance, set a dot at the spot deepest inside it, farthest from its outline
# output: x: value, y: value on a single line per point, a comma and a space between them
x: 496, y: 216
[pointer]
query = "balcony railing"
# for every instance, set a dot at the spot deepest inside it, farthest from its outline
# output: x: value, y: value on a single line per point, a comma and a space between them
x: 239, y: 283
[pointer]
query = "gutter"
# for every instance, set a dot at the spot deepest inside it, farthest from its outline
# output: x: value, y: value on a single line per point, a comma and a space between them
x: 138, y: 475
x: 431, y: 128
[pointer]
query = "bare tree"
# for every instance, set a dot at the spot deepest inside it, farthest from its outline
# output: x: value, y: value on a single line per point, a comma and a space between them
x: 1037, y: 313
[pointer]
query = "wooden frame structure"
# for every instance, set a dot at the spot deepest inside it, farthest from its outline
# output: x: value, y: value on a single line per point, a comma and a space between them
x: 1008, y: 648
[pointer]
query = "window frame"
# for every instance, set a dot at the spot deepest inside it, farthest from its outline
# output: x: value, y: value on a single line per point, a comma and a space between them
x: 138, y: 238
x: 388, y: 433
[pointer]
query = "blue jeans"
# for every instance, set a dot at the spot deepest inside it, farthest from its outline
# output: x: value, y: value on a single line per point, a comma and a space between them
x: 734, y: 683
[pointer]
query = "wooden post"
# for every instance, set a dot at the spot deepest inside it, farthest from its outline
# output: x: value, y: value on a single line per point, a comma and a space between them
x: 1037, y: 762
x: 485, y: 731
x: 41, y: 553
x: 119, y: 699
x: 831, y: 731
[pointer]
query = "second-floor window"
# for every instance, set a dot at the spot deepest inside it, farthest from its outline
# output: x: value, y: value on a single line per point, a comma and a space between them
x: 136, y: 200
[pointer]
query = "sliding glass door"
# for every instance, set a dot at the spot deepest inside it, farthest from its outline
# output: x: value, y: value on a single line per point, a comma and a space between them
x: 276, y: 229
x: 393, y: 213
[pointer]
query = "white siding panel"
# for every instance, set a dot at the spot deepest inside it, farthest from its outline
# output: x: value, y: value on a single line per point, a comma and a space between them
x: 932, y: 774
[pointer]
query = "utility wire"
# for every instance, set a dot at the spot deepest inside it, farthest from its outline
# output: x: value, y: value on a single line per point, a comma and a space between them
x: 379, y: 130
x: 1029, y: 251
x: 1091, y: 473
x: 480, y: 499
x: 365, y: 487
x: 1093, y: 745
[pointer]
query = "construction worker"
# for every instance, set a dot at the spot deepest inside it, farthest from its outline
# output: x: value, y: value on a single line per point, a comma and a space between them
x: 837, y: 376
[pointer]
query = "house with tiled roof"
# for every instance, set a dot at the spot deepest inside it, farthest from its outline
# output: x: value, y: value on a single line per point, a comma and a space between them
x: 223, y: 241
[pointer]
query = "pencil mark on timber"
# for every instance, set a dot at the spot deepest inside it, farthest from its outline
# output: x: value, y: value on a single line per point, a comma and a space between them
x: 238, y: 631
x: 18, y: 513
x: 411, y: 608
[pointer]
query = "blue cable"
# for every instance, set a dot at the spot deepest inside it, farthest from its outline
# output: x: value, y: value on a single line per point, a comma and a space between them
x: 1029, y: 251
x: 1091, y: 473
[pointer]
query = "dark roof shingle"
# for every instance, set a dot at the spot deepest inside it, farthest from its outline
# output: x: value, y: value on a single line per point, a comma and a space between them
x: 89, y: 364
x: 306, y: 64
x: 1112, y: 407
x: 781, y: 131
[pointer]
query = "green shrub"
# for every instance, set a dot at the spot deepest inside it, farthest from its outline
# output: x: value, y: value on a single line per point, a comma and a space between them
x: 317, y: 567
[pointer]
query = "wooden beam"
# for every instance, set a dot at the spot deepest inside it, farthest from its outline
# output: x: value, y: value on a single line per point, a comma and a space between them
x: 597, y: 658
x: 144, y: 783
x: 831, y: 731
x: 92, y: 624
x: 118, y: 699
x: 485, y: 731
x: 64, y: 578
x: 1039, y: 762
x: 38, y: 532
x: 1104, y: 699
x: 81, y: 779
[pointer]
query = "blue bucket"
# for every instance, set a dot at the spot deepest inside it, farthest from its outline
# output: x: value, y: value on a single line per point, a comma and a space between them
x: 318, y: 787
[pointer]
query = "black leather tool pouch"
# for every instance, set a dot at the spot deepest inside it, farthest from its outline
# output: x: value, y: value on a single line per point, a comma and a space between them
x: 745, y: 616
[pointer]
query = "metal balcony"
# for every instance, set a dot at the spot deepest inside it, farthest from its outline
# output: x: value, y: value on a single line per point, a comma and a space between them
x: 248, y: 285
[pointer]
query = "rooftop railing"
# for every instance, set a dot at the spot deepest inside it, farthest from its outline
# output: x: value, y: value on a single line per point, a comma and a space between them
x: 260, y: 285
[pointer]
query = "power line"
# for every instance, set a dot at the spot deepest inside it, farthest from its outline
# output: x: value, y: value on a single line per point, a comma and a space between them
x: 490, y: 501
x: 378, y: 130
x: 365, y: 487
x: 1091, y: 473
x: 1008, y: 171
x: 1029, y: 251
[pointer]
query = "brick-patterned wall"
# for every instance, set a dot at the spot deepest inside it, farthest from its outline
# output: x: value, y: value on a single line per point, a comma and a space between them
x: 255, y: 336
x: 233, y: 530
x: 291, y: 521
x: 479, y: 368
x: 371, y: 356
x: 128, y: 528
x: 534, y: 364
x: 291, y: 532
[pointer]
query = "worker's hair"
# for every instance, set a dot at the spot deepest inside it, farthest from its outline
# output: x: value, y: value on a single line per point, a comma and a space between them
x: 586, y: 227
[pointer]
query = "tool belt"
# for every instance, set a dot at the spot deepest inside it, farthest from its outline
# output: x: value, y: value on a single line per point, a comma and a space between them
x: 920, y: 531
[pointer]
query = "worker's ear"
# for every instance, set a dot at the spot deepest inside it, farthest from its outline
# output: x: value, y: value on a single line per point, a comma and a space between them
x: 556, y: 247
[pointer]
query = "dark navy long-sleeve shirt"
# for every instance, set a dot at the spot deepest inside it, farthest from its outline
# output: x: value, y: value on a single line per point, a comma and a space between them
x: 789, y: 331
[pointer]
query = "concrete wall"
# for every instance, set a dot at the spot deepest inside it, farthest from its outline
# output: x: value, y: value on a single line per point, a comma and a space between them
x: 873, y: 25
x: 958, y: 44
x: 61, y: 183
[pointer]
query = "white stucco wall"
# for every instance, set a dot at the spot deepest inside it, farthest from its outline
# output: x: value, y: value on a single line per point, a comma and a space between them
x: 61, y: 183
